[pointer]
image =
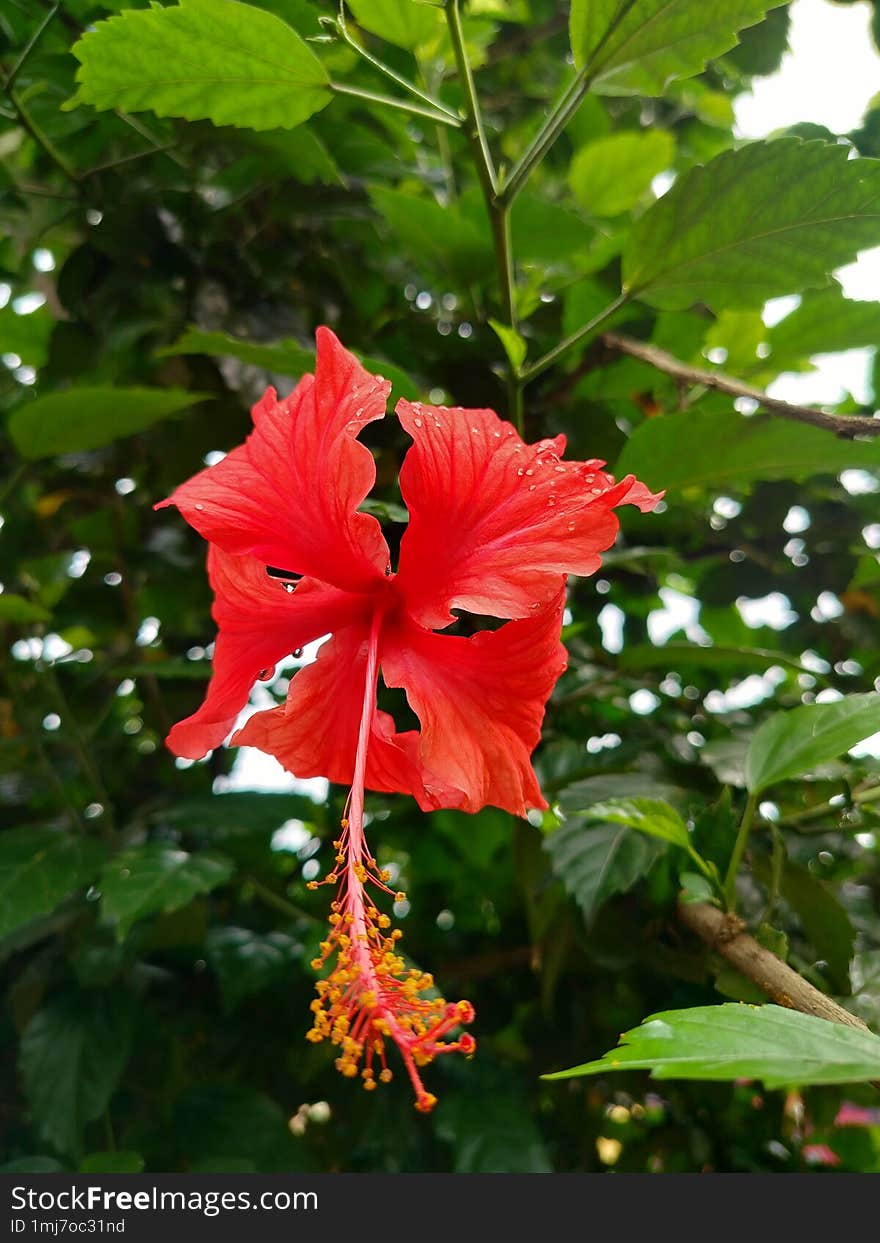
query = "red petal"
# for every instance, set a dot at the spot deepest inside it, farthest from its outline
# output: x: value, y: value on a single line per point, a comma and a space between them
x: 259, y: 624
x: 480, y: 702
x: 315, y: 733
x: 495, y: 521
x: 288, y: 495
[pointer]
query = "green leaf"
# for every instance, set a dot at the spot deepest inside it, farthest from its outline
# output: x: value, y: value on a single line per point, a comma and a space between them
x: 597, y: 862
x: 705, y: 449
x: 769, y: 218
x: 72, y: 1055
x: 792, y: 743
x: 116, y: 1162
x: 824, y: 322
x: 246, y: 962
x: 231, y: 63
x: 39, y: 868
x: 653, y: 816
x: 584, y: 794
x: 613, y: 174
x: 286, y: 358
x: 825, y: 923
x: 635, y: 47
x: 156, y: 877
x: 405, y: 23
x: 16, y: 609
x: 441, y: 237
x: 26, y: 335
x: 778, y: 1046
x: 515, y: 346
x: 87, y: 418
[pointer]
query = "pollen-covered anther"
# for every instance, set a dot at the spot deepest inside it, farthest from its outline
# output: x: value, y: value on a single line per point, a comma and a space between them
x: 370, y: 998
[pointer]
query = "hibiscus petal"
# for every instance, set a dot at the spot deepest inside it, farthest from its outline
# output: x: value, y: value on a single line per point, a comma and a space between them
x: 494, y: 521
x: 289, y: 495
x: 315, y: 733
x: 259, y: 624
x: 480, y: 702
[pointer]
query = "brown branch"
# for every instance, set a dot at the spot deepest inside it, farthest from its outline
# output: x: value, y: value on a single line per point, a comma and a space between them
x: 726, y: 934
x: 847, y: 426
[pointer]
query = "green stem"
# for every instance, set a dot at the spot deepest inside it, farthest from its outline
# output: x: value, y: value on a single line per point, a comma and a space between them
x: 40, y: 138
x: 555, y: 123
x: 552, y: 356
x: 401, y: 105
x: 777, y: 860
x: 739, y: 849
x: 498, y: 212
x: 29, y: 47
x: 339, y: 24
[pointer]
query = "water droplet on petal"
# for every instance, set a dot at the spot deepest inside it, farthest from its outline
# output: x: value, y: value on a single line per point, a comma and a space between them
x: 536, y: 605
x: 418, y: 422
x: 200, y: 507
x: 571, y: 526
x: 296, y: 653
x: 521, y: 472
x: 530, y: 472
x: 289, y: 587
x: 532, y: 487
x: 265, y: 674
x: 497, y: 435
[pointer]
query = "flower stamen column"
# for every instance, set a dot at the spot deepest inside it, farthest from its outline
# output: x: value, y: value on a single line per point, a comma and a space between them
x: 370, y: 996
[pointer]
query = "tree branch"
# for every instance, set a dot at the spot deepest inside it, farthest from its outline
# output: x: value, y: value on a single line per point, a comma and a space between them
x: 847, y: 426
x: 725, y: 933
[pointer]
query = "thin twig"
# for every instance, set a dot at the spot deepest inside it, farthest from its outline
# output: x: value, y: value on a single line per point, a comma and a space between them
x: 847, y: 426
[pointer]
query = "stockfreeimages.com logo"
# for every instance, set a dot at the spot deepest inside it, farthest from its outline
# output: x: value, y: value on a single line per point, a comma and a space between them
x: 95, y: 1199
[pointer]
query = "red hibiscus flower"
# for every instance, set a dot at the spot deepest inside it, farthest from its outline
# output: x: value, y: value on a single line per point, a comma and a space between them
x: 495, y: 526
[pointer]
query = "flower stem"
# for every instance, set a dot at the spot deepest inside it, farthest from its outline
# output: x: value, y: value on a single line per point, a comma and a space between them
x: 542, y: 364
x: 555, y: 123
x: 497, y: 211
x: 340, y: 25
x: 739, y: 849
x: 401, y: 105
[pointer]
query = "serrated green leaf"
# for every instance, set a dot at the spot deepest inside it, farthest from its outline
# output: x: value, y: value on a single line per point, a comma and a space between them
x: 40, y: 867
x: 78, y: 419
x: 778, y: 1046
x: 219, y: 60
x: 792, y: 743
x: 612, y: 174
x: 73, y: 1052
x: 597, y: 861
x: 705, y: 449
x: 584, y: 794
x: 824, y: 322
x: 405, y: 23
x: 156, y: 877
x: 769, y: 218
x: 635, y: 47
x: 653, y: 816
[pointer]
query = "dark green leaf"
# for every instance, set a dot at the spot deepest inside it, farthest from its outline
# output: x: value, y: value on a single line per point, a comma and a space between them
x: 246, y: 962
x: 72, y: 1055
x: 440, y: 237
x: 16, y: 609
x: 39, y: 868
x: 116, y: 1162
x: 231, y: 63
x: 825, y: 923
x: 597, y: 861
x: 792, y: 743
x: 156, y: 877
x: 824, y: 322
x: 778, y: 1046
x: 769, y: 218
x: 86, y: 418
x: 647, y: 815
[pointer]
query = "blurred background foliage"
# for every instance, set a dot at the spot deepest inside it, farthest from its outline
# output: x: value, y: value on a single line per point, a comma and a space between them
x: 156, y: 927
